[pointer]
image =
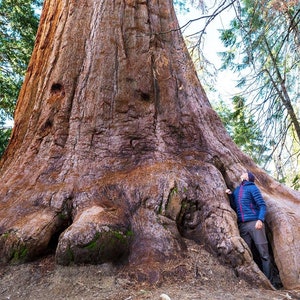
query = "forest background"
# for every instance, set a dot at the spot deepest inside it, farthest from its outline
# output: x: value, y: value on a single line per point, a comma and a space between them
x: 247, y: 58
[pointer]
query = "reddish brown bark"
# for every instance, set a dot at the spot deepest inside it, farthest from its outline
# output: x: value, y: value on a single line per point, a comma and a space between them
x: 117, y: 150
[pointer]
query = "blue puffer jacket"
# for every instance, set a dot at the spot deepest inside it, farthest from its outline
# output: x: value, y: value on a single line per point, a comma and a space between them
x: 248, y: 202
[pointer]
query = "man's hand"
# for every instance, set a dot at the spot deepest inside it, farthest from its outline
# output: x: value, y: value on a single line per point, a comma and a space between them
x: 259, y: 224
x: 228, y: 191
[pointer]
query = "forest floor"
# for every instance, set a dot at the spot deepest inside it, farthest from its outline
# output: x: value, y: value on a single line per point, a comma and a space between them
x: 198, y: 276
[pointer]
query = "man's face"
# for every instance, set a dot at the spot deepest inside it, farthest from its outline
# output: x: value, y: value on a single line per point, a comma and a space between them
x: 244, y: 176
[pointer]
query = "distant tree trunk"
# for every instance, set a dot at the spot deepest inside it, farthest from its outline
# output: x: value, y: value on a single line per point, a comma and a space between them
x: 116, y: 152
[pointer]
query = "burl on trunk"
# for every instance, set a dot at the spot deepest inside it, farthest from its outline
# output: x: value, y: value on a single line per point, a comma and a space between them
x: 116, y: 153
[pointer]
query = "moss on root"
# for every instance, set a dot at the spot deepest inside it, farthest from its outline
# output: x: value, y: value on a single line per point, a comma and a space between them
x: 19, y: 254
x: 106, y: 245
x: 13, y: 250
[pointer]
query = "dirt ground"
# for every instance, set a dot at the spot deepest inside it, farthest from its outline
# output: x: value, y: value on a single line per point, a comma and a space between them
x: 198, y: 276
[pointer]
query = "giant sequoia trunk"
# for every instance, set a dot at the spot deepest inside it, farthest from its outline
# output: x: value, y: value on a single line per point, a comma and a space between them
x: 116, y: 153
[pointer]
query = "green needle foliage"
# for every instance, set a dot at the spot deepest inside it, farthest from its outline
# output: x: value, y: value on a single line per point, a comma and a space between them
x: 243, y: 129
x: 18, y: 26
x: 4, y: 136
x: 263, y: 47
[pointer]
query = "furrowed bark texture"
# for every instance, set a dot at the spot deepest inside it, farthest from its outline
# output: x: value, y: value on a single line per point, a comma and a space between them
x: 116, y: 153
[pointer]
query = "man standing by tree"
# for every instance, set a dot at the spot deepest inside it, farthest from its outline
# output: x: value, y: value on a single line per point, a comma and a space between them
x: 115, y: 146
x: 250, y: 207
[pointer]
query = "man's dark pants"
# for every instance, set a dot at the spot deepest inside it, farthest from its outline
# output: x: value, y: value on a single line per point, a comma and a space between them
x: 250, y: 234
